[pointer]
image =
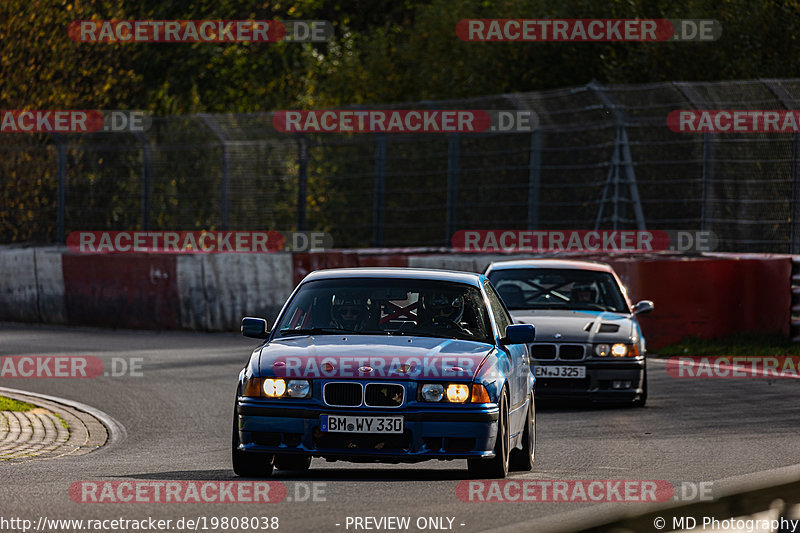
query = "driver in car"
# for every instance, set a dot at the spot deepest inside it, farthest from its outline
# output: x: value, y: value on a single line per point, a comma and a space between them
x: 584, y: 294
x: 349, y: 312
x: 441, y: 311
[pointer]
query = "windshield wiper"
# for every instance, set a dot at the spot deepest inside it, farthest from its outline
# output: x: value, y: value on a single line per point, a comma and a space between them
x: 312, y: 331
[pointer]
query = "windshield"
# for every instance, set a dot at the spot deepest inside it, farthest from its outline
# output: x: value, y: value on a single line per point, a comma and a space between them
x: 374, y: 306
x: 571, y: 289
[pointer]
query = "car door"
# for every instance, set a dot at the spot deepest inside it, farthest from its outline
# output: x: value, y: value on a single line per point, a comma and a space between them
x: 518, y: 355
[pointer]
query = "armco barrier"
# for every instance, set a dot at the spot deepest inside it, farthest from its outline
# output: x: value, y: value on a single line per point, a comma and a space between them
x: 18, y: 290
x: 31, y: 285
x: 705, y: 296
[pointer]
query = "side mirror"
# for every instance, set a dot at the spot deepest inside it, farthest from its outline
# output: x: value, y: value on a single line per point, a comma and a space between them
x: 645, y: 306
x: 254, y: 327
x: 519, y: 334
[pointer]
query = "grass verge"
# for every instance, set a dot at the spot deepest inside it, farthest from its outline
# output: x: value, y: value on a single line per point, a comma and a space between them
x: 7, y: 404
x: 752, y: 344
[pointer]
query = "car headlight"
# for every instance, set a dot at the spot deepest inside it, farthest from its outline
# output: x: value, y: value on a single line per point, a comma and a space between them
x: 619, y: 350
x: 453, y: 393
x: 432, y: 392
x: 274, y: 388
x: 457, y: 392
x: 298, y: 388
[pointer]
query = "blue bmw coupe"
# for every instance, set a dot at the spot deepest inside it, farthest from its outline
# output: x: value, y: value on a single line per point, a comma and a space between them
x: 387, y: 365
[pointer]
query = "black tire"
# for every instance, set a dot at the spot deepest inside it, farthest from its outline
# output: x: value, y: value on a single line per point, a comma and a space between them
x: 293, y: 462
x: 248, y: 464
x: 642, y: 399
x: 496, y: 467
x: 521, y: 460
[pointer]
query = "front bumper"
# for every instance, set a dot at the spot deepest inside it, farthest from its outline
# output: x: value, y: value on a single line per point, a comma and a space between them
x: 452, y: 433
x: 598, y: 385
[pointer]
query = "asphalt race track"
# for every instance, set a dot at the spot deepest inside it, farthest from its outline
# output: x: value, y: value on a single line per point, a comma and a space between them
x: 177, y: 420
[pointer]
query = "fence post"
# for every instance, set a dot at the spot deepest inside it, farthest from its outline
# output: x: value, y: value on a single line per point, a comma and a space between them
x: 379, y: 192
x: 61, y: 191
x: 789, y: 102
x: 534, y: 163
x: 707, y: 186
x: 630, y: 178
x: 620, y: 157
x: 146, y: 173
x: 225, y: 206
x: 453, y: 154
x: 534, y: 179
x: 707, y: 212
x: 794, y: 247
x: 302, y: 181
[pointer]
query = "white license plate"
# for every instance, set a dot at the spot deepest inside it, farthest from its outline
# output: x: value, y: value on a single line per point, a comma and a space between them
x: 361, y: 424
x: 560, y: 372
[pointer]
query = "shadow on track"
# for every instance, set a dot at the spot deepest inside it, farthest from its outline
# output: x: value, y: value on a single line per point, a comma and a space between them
x: 578, y: 406
x: 316, y: 474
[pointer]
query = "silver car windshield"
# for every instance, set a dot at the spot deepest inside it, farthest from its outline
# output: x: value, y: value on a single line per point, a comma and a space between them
x: 375, y: 306
x: 571, y: 289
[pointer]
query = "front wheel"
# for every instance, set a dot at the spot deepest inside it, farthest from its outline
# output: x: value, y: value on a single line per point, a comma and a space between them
x: 496, y: 467
x: 522, y: 460
x: 248, y: 464
x: 642, y: 399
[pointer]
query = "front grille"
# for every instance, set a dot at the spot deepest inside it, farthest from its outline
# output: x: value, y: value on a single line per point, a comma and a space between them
x: 343, y: 394
x: 570, y: 352
x: 384, y: 395
x: 543, y: 351
x: 353, y: 442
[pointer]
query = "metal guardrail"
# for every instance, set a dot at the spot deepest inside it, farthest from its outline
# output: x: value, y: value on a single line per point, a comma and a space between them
x: 770, y: 503
x: 795, y: 311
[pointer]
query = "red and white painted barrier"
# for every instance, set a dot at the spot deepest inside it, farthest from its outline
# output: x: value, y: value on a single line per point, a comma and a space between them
x: 708, y: 296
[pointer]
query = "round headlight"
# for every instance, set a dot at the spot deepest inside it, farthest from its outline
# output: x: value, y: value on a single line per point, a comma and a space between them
x: 457, y: 392
x: 432, y: 392
x: 619, y: 350
x: 298, y: 388
x: 274, y: 387
x: 602, y: 350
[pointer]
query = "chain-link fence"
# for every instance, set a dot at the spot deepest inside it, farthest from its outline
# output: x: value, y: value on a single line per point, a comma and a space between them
x: 603, y: 157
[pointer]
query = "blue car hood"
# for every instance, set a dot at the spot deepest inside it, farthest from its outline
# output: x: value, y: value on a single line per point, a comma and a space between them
x: 433, y: 357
